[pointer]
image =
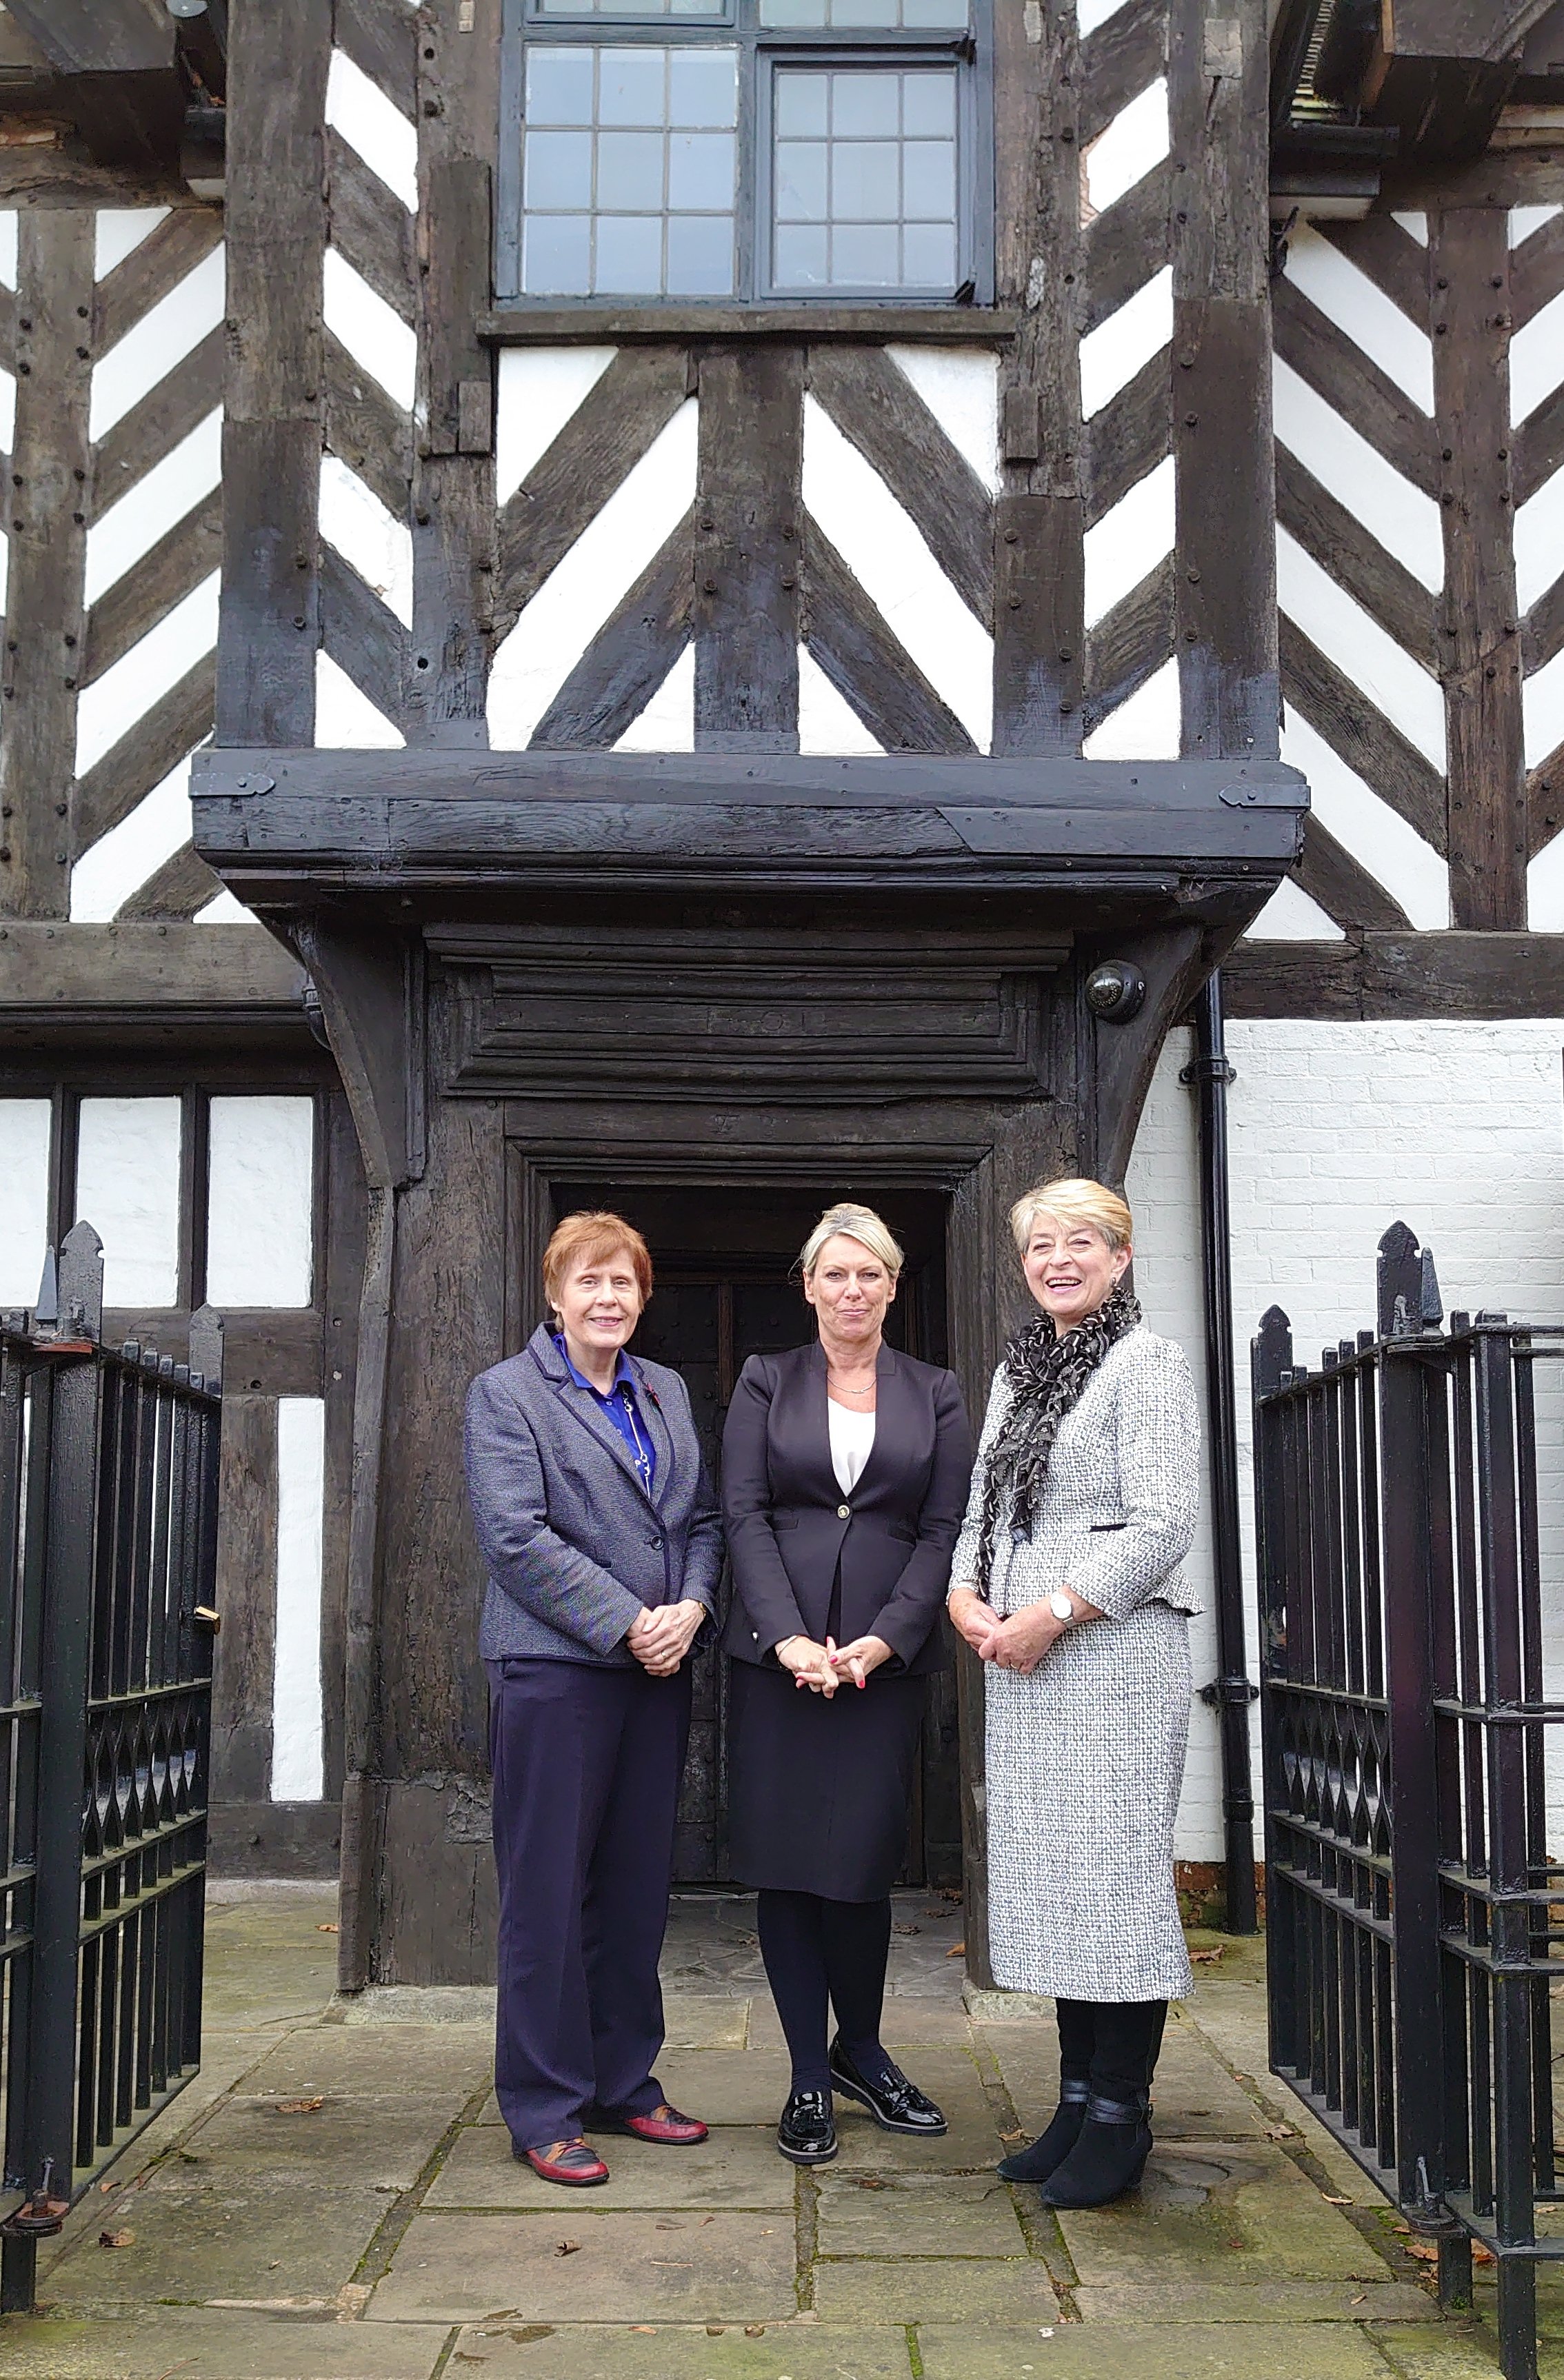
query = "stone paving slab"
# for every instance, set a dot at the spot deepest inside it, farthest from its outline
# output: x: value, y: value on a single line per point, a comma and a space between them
x: 791, y: 2351
x: 726, y: 2086
x: 1261, y: 2302
x: 1192, y: 2351
x: 1233, y: 2212
x: 195, y: 2243
x: 934, y: 2289
x: 1196, y: 2097
x: 911, y: 2020
x: 428, y: 2058
x: 631, y: 2268
x: 187, y: 2343
x: 735, y: 2168
x: 371, y: 2140
x: 1449, y: 2352
x: 973, y: 2142
x: 916, y: 2214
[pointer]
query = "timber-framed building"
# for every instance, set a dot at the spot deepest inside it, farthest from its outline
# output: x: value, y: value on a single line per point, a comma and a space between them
x: 750, y: 596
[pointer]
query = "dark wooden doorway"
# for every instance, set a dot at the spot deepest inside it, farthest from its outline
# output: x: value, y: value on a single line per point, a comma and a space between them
x: 726, y: 1290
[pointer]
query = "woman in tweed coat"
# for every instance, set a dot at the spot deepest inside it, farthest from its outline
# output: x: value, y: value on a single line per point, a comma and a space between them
x: 1067, y: 1583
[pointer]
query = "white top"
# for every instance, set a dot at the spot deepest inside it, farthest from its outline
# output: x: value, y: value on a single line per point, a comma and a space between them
x: 852, y: 1435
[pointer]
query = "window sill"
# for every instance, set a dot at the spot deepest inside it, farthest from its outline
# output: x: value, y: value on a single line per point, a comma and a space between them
x: 595, y: 323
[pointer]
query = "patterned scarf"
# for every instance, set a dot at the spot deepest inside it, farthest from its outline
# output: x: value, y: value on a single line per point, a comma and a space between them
x: 1049, y: 1375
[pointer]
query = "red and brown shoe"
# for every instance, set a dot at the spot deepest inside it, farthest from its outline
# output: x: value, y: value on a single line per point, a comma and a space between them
x: 572, y: 2163
x: 664, y: 2127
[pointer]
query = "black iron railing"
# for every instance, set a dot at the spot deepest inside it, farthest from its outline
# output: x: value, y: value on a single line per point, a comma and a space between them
x: 108, y: 1516
x: 1415, y: 1910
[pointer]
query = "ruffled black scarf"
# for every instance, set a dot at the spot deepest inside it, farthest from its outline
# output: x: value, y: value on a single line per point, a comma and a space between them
x: 1048, y: 1374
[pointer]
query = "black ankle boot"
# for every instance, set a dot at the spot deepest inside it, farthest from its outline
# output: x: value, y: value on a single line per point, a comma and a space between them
x: 1051, y: 2147
x: 1109, y: 2155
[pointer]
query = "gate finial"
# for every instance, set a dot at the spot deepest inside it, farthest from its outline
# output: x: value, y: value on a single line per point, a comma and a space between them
x: 1271, y: 1352
x: 1400, y: 1280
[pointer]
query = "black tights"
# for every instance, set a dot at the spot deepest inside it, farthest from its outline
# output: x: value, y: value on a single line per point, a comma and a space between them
x: 1113, y: 2045
x: 816, y: 1950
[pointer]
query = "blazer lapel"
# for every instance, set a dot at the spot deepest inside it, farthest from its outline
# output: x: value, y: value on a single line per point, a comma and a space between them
x: 583, y: 1407
x: 888, y: 1392
x: 656, y: 1423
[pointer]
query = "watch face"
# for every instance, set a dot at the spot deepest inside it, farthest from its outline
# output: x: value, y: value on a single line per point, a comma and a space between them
x: 1061, y: 1606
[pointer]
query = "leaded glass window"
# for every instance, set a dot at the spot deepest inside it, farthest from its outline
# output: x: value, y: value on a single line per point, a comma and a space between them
x: 749, y: 150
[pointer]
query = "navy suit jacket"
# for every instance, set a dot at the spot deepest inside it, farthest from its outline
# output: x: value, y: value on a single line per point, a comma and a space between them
x: 790, y: 1523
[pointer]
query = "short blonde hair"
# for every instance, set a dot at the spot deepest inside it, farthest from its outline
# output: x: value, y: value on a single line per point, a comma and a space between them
x: 592, y: 1239
x: 853, y: 1222
x: 1074, y: 1200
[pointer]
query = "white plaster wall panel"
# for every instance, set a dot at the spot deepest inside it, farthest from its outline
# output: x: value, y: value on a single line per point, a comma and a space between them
x: 537, y: 391
x: 1405, y: 521
x: 1539, y: 537
x: 1524, y: 221
x: 1116, y: 350
x: 370, y: 539
x: 8, y: 411
x: 373, y: 126
x: 1126, y: 150
x: 297, y: 1771
x: 667, y: 723
x: 882, y: 547
x: 26, y: 1128
x: 960, y: 387
x: 1411, y: 869
x: 1293, y: 916
x: 103, y: 878
x: 128, y: 1188
x: 1408, y: 695
x: 1542, y: 711
x: 1148, y: 727
x: 1414, y: 223
x: 8, y: 247
x: 224, y: 910
x: 1090, y: 14
x: 1130, y: 540
x: 372, y: 333
x: 260, y: 1233
x: 110, y: 708
x: 827, y: 722
x: 161, y: 339
x: 582, y: 593
x: 118, y: 230
x: 1537, y: 360
x: 345, y: 720
x: 1360, y: 307
x: 121, y: 536
x: 1544, y: 889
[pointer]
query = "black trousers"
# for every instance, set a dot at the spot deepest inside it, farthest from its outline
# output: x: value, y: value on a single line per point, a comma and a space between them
x: 587, y: 1765
x: 816, y: 1950
x: 1113, y: 2045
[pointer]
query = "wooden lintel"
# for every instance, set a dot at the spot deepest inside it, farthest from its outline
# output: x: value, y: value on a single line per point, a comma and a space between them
x: 1463, y: 976
x: 67, y: 971
x: 596, y: 324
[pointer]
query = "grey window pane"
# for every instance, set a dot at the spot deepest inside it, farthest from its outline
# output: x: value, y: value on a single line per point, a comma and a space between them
x: 865, y: 185
x: 631, y: 7
x: 800, y: 181
x: 558, y: 169
x: 558, y: 86
x: 918, y: 15
x: 864, y: 12
x: 700, y: 256
x: 703, y: 89
x: 701, y: 170
x: 629, y: 172
x: 928, y: 104
x: 557, y: 256
x: 928, y: 169
x: 631, y: 86
x: 630, y: 256
x: 699, y: 7
x: 865, y: 256
x: 800, y: 103
x: 928, y: 256
x: 865, y: 103
x: 802, y: 261
x: 792, y: 12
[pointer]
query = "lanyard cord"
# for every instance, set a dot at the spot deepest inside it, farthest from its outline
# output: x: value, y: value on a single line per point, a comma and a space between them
x: 641, y: 1451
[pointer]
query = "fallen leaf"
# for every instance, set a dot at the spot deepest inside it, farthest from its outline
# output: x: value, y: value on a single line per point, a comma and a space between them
x: 1016, y: 2136
x: 906, y: 1929
x: 645, y: 2329
x: 1424, y: 2250
x: 716, y: 2330
x: 956, y: 1950
x: 1480, y: 2255
x: 567, y: 2247
x: 108, y: 2185
x: 298, y: 2107
x: 1361, y: 2301
x: 117, y: 2239
x: 1281, y: 2131
x: 754, y: 2330
x: 870, y: 2181
x: 337, y: 1929
x: 705, y: 2219
x: 1207, y: 1958
x: 1337, y: 2202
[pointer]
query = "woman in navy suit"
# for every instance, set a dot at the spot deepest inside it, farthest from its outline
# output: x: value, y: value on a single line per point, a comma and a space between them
x: 845, y: 1475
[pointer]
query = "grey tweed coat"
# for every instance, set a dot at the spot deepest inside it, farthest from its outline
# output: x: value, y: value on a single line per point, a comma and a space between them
x: 1085, y: 1757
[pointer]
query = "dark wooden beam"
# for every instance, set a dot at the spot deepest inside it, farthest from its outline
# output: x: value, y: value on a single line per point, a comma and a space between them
x: 65, y: 971
x: 630, y: 657
x: 98, y: 36
x: 750, y: 543
x: 867, y: 662
x: 1464, y: 976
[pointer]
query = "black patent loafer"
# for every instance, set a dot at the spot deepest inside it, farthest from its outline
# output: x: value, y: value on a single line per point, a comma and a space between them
x: 806, y: 2133
x: 896, y: 2105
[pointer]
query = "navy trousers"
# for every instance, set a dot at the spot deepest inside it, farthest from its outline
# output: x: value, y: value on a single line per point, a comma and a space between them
x: 587, y: 1764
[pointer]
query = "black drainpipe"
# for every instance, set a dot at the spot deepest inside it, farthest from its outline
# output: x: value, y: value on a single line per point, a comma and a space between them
x: 1231, y: 1692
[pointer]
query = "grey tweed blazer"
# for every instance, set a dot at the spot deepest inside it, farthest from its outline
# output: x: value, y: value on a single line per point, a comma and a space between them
x: 575, y: 1546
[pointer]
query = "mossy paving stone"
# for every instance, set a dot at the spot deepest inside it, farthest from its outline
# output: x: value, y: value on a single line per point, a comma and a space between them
x: 1194, y: 2095
x: 1454, y: 2350
x: 733, y: 2168
x: 379, y: 2141
x: 373, y: 2058
x: 1112, y: 2351
x: 916, y: 2214
x: 934, y: 2288
x: 1263, y: 2301
x: 622, y: 2268
x: 1238, y: 2212
x: 788, y: 2350
x: 196, y: 2343
x: 194, y: 2242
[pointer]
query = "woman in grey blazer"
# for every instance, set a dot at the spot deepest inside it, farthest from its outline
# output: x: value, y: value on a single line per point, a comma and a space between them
x: 1066, y: 1581
x: 604, y: 1550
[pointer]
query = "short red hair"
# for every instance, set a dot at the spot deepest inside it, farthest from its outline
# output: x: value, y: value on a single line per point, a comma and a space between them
x: 591, y: 1239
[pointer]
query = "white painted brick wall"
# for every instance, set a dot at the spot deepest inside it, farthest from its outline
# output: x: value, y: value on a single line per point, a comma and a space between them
x: 1338, y: 1130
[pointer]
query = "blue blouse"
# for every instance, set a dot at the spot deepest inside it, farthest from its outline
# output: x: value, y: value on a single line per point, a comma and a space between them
x: 622, y: 1410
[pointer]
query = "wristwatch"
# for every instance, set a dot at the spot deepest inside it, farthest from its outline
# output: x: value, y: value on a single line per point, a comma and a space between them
x: 1061, y: 1607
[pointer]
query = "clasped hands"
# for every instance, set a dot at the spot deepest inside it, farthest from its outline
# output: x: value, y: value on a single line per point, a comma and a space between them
x: 1017, y: 1642
x: 663, y: 1635
x: 823, y: 1668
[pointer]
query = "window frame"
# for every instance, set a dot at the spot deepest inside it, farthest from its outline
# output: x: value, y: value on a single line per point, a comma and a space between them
x: 760, y: 50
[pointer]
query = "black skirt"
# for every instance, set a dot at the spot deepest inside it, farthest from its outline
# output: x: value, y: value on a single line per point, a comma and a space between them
x: 819, y: 1792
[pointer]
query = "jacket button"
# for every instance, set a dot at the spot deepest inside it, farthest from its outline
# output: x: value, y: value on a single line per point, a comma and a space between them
x: 755, y: 1634
x: 844, y: 1511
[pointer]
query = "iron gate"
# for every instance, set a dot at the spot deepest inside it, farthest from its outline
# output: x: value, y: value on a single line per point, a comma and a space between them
x: 1414, y: 1910
x: 108, y: 1515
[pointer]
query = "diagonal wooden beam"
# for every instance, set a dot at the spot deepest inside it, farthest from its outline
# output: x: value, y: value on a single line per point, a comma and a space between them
x: 98, y: 36
x: 1545, y: 801
x: 1344, y: 888
x: 1129, y: 437
x: 1126, y: 245
x: 1118, y: 61
x: 1366, y: 739
x: 1389, y: 256
x: 181, y: 886
x: 191, y: 550
x: 1353, y: 385
x: 870, y: 668
x: 1355, y: 560
x: 595, y: 452
x: 381, y: 39
x: 1542, y: 631
x: 373, y: 231
x: 874, y: 404
x: 179, y: 720
x: 1129, y: 645
x: 154, y: 266
x: 1537, y: 271
x: 168, y: 412
x: 630, y: 657
x: 371, y: 434
x: 364, y: 637
x: 1537, y: 446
